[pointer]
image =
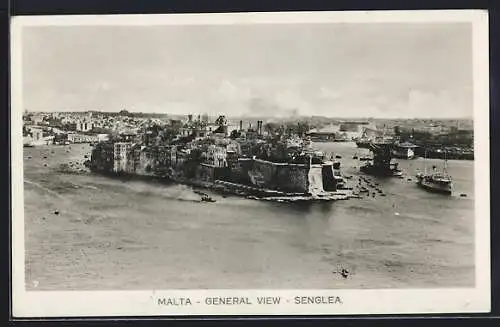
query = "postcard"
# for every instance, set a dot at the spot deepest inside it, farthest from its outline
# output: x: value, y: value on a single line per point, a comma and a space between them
x: 300, y: 163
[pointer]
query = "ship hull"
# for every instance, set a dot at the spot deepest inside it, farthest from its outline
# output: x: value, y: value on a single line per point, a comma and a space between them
x: 441, y: 189
x: 363, y: 145
x: 375, y: 171
x: 404, y: 151
x: 405, y: 154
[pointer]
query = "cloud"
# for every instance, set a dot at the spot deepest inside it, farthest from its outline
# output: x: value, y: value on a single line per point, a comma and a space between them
x: 327, y: 93
x: 293, y: 100
x: 228, y: 91
x: 442, y: 103
x: 104, y: 86
x: 259, y: 107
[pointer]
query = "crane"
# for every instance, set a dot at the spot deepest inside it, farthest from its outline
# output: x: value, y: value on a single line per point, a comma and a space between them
x: 381, y: 165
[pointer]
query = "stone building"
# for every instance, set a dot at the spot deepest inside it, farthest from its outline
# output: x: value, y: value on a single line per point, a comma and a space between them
x: 216, y: 156
x: 84, y: 125
x: 121, y: 156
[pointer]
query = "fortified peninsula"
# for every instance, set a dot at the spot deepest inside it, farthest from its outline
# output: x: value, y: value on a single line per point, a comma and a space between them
x: 259, y: 158
x: 271, y: 166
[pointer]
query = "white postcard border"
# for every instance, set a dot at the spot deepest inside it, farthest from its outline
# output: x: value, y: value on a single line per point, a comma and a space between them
x: 145, y: 303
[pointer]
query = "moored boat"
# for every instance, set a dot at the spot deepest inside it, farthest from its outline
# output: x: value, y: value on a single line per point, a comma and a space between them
x: 404, y: 150
x: 376, y: 169
x: 436, y: 181
x: 381, y: 164
x: 363, y: 144
x: 206, y: 198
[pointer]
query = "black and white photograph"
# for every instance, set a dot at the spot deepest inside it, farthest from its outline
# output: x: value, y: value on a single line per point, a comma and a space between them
x: 270, y: 163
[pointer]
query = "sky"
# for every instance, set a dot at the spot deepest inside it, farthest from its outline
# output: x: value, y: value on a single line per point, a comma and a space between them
x: 381, y: 70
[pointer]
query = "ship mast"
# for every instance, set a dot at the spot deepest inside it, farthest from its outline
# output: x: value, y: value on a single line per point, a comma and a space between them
x: 445, y: 162
x: 425, y: 161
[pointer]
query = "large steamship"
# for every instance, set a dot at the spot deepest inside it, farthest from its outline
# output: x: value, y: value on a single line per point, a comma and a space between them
x: 436, y: 181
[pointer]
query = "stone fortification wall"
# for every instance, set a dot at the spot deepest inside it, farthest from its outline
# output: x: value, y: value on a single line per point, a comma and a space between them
x: 329, y: 182
x: 315, y: 180
x: 239, y: 173
x: 296, y: 178
x: 145, y: 164
x: 210, y: 173
x: 102, y: 157
x: 293, y: 178
x: 285, y: 177
x: 205, y: 173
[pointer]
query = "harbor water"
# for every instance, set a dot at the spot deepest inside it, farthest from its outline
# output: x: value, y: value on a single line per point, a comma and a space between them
x: 89, y: 232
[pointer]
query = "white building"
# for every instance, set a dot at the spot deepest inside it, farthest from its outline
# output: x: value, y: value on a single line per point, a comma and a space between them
x: 102, y: 137
x: 121, y: 152
x: 84, y: 125
x: 37, y: 138
x: 217, y: 156
x: 37, y: 119
x: 81, y: 138
x: 37, y: 134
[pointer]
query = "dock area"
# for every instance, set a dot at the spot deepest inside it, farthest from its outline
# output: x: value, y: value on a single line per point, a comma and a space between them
x: 262, y: 193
